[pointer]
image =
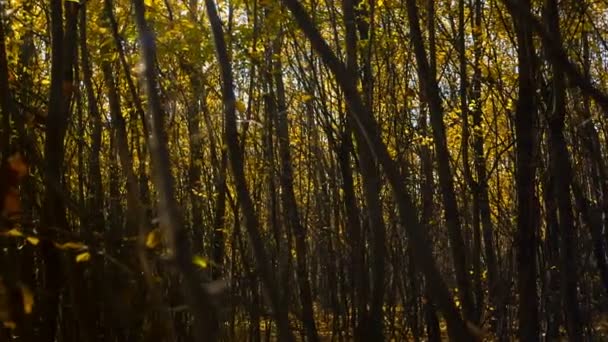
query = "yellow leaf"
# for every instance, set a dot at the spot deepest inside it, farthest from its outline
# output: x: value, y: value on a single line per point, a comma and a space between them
x: 200, y: 261
x: 70, y: 245
x: 240, y: 106
x: 82, y: 257
x: 28, y: 299
x: 33, y: 240
x: 306, y: 98
x: 153, y: 238
x: 14, y: 232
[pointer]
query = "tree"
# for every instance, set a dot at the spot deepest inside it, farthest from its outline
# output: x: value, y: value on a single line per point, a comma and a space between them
x: 255, y: 170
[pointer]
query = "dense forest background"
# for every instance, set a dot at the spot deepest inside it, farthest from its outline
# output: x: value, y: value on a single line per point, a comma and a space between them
x: 318, y: 170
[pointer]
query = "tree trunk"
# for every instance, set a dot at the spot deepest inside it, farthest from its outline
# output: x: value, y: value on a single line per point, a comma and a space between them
x: 525, y: 175
x: 370, y: 323
x: 562, y: 171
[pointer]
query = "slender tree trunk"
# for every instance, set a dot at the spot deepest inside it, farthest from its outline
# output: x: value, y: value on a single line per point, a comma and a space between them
x: 370, y: 323
x: 525, y: 175
x: 470, y: 182
x: 196, y: 160
x: 430, y: 315
x: 5, y: 93
x: 562, y: 171
x: 479, y: 160
x: 53, y: 206
x: 426, y: 160
x: 219, y: 218
x: 358, y: 276
x: 551, y: 288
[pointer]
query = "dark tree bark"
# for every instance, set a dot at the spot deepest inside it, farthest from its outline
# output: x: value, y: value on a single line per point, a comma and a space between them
x: 370, y: 325
x: 481, y: 188
x: 5, y: 94
x: 562, y: 171
x: 552, y: 282
x: 428, y: 185
x: 527, y: 214
x: 53, y: 206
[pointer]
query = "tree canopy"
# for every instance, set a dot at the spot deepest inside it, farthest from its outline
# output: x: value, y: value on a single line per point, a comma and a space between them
x: 303, y: 170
